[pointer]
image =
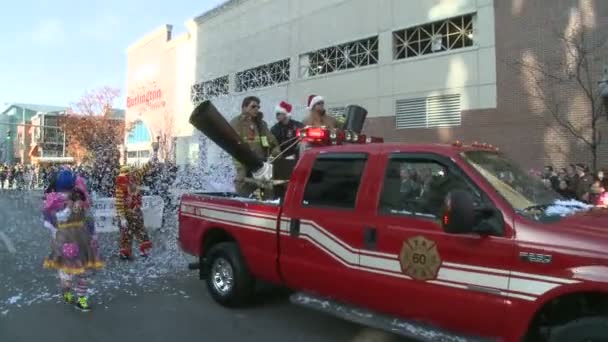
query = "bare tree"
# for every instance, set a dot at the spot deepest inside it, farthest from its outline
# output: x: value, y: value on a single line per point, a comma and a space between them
x: 165, y: 138
x: 577, y: 72
x: 98, y: 102
x: 94, y: 135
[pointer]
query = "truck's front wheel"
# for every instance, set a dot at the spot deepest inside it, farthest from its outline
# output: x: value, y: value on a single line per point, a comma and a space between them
x: 228, y: 281
x: 589, y: 329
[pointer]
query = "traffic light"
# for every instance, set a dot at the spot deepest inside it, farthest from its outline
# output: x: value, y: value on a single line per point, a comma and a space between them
x: 8, y: 134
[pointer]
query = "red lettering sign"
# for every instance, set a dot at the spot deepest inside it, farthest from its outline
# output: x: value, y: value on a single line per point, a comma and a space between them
x: 148, y: 97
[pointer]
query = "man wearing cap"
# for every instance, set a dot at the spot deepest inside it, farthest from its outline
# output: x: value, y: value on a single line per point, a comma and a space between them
x: 318, y: 117
x: 285, y: 129
x: 254, y: 131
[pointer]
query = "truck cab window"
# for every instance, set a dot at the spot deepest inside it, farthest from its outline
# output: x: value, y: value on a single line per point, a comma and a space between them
x: 334, y: 181
x: 418, y: 187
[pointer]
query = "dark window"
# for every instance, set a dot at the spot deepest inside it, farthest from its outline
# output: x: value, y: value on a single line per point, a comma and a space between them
x: 209, y: 89
x: 346, y: 56
x: 439, y: 36
x: 418, y: 187
x: 334, y: 181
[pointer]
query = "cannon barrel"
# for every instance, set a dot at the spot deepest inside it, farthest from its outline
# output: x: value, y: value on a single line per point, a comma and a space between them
x: 355, y: 118
x: 207, y: 119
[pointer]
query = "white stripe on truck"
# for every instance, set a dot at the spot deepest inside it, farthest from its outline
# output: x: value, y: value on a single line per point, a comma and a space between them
x: 526, y: 286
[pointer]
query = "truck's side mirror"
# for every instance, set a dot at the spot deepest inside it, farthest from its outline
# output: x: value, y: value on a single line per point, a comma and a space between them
x: 462, y: 215
x: 459, y: 213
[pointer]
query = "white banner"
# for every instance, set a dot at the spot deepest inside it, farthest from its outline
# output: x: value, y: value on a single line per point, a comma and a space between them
x: 106, y: 220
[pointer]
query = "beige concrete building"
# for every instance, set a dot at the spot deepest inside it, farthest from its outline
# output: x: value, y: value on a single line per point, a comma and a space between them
x: 427, y: 70
x: 389, y: 56
x: 160, y: 73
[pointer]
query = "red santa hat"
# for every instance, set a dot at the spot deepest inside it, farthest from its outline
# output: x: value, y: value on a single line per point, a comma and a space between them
x: 283, y: 107
x: 313, y: 100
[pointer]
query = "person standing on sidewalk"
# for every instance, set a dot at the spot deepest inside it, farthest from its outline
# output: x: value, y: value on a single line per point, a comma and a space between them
x: 3, y: 175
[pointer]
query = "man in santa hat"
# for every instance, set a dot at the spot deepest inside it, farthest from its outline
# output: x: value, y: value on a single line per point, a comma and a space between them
x: 285, y: 130
x: 318, y: 117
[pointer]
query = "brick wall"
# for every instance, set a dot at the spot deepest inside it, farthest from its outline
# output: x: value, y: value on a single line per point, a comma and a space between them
x: 520, y: 125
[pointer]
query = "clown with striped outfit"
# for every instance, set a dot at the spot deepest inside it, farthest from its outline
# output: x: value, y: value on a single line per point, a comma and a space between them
x: 128, y: 208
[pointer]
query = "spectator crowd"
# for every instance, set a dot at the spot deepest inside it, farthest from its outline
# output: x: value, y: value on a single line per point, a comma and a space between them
x: 576, y: 181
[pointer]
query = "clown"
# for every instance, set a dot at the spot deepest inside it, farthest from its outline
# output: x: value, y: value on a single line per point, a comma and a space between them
x: 73, y: 248
x: 128, y: 208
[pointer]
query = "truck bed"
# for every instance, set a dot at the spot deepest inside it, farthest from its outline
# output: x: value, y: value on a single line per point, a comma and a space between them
x: 242, y: 218
x: 231, y: 196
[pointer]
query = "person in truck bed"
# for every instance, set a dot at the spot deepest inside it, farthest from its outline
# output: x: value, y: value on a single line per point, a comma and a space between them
x: 318, y: 116
x: 254, y: 131
x: 285, y: 130
x: 128, y: 208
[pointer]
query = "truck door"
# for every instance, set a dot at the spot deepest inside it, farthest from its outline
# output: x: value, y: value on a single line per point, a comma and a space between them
x: 454, y: 281
x: 321, y: 227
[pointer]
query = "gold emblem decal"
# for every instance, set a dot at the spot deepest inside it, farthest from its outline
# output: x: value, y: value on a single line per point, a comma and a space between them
x: 419, y: 258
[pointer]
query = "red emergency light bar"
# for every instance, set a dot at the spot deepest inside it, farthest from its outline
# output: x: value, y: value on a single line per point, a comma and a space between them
x: 327, y: 136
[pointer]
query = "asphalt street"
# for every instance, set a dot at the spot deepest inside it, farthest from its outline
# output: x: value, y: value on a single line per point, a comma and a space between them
x: 156, y: 299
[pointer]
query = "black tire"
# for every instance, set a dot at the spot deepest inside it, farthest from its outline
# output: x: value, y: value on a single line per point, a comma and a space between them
x: 227, y: 254
x: 593, y: 329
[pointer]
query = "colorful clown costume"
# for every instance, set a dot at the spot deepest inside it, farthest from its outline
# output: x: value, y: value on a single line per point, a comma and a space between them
x: 73, y: 248
x: 128, y: 207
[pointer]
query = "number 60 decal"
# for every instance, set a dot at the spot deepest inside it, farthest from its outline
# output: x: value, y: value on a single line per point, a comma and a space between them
x: 420, y: 258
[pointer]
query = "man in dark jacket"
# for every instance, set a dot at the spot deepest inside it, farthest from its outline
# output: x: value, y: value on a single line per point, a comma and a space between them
x: 285, y: 129
x: 584, y: 182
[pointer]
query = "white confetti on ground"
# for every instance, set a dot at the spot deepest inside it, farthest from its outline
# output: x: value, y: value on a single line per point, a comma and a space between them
x: 27, y: 283
x: 14, y: 299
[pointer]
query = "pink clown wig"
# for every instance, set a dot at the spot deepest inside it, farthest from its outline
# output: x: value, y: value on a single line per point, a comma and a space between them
x: 54, y: 201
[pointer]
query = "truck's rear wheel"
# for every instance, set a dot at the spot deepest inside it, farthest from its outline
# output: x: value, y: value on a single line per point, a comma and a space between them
x: 228, y: 281
x: 592, y: 329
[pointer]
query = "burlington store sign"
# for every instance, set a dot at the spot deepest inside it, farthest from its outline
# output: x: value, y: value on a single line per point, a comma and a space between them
x: 151, y: 98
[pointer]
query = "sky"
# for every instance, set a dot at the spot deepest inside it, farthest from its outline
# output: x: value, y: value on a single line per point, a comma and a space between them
x: 51, y: 52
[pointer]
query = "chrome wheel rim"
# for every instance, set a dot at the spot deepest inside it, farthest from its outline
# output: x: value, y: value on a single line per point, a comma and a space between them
x: 222, y: 276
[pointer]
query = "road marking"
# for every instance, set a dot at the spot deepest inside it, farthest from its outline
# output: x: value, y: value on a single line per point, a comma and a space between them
x: 7, y: 242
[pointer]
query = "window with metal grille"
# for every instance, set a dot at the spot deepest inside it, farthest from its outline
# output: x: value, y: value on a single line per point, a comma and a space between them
x: 445, y: 35
x: 340, y: 57
x: 428, y: 112
x: 263, y: 76
x: 209, y: 89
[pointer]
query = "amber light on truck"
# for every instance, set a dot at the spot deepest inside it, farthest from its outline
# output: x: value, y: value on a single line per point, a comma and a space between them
x: 327, y: 136
x: 481, y: 146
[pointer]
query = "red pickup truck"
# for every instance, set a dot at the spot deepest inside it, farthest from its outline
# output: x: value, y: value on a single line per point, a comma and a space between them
x: 452, y: 239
